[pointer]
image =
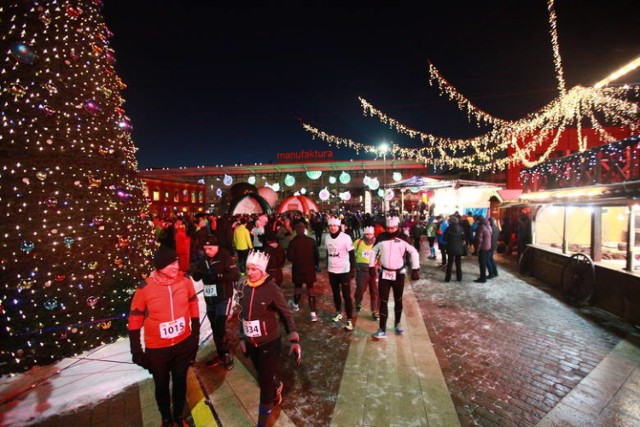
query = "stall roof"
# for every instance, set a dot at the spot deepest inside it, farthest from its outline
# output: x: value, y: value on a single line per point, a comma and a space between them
x: 417, y: 181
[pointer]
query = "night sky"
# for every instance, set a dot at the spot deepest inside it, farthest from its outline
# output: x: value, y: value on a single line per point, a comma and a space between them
x: 229, y: 82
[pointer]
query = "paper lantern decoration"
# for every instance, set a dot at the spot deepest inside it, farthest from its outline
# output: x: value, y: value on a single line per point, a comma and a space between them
x: 397, y: 176
x: 324, y: 194
x: 252, y: 180
x: 380, y: 192
x: 345, y: 177
x: 374, y: 184
x: 332, y: 180
x: 219, y: 192
x: 389, y: 194
x: 289, y: 180
x: 314, y: 174
x: 228, y: 180
x: 346, y: 196
x: 365, y: 181
x: 414, y: 190
x: 303, y: 190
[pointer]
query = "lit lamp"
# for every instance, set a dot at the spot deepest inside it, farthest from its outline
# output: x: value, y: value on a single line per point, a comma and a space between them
x: 384, y: 149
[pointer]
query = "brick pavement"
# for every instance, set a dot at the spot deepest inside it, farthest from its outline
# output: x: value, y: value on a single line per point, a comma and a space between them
x: 511, y: 352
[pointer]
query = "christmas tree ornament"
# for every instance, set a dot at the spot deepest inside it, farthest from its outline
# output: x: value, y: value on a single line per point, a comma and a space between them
x: 51, y: 88
x: 105, y: 325
x: 73, y: 12
x: 50, y: 304
x: 41, y: 175
x: 92, y: 107
x: 47, y: 110
x: 25, y: 284
x: 23, y: 53
x: 17, y: 90
x: 92, y: 301
x: 68, y: 241
x: 27, y: 246
x: 51, y: 202
x: 92, y: 265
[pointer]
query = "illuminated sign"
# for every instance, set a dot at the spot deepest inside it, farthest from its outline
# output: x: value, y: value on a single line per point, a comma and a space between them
x: 306, y: 155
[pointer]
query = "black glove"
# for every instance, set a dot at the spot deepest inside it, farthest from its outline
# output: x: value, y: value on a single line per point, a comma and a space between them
x: 372, y: 272
x: 295, y: 350
x: 141, y: 359
x: 415, y: 274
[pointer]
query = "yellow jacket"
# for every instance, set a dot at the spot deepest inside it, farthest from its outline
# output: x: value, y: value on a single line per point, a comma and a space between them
x: 242, y: 238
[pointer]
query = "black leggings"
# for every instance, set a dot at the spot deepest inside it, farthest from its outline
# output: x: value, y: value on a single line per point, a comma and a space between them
x: 340, y: 282
x: 265, y: 360
x: 384, y: 287
x: 170, y: 364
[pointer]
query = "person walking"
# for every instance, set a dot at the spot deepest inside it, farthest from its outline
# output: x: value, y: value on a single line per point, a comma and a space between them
x: 455, y: 238
x: 430, y: 231
x: 366, y: 275
x: 166, y: 305
x: 305, y: 262
x: 277, y: 257
x: 390, y: 251
x: 242, y: 242
x: 442, y: 243
x: 263, y: 307
x: 341, y: 263
x: 218, y: 272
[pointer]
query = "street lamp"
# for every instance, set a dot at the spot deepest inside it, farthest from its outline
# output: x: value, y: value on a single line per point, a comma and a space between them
x: 384, y: 149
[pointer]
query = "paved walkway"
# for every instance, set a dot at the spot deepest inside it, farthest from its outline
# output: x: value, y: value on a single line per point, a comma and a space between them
x: 500, y: 354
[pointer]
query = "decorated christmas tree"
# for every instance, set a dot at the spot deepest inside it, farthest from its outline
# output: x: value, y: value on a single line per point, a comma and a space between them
x: 75, y: 237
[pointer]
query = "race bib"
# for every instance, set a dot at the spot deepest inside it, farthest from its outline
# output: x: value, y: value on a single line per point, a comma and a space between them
x: 367, y: 254
x: 251, y: 328
x: 388, y: 274
x: 210, y: 291
x: 172, y: 329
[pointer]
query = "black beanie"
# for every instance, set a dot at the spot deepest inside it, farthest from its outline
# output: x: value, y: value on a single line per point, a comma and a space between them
x: 163, y: 257
x: 211, y: 240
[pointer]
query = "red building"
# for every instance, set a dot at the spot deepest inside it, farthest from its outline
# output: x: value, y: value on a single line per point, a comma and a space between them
x: 167, y: 198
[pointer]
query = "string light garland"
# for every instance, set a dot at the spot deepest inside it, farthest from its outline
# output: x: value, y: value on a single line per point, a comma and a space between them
x: 75, y: 237
x: 578, y: 107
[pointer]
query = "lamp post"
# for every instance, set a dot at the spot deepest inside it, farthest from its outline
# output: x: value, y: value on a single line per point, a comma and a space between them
x: 384, y: 149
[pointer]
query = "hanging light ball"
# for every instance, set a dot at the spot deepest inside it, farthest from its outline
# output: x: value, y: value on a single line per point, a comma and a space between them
x: 324, y: 194
x: 345, y: 177
x: 332, y: 180
x: 314, y: 174
x: 289, y: 180
x: 252, y: 180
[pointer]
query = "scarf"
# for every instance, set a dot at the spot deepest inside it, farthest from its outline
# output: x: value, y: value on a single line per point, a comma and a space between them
x: 258, y: 282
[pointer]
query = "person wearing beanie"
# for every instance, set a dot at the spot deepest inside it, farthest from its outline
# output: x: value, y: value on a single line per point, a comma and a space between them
x: 262, y: 308
x: 305, y: 261
x: 390, y: 250
x: 166, y: 305
x: 455, y: 238
x: 366, y: 275
x: 218, y: 271
x: 341, y: 264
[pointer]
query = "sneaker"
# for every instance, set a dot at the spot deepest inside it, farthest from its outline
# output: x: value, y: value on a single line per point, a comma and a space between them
x: 358, y: 307
x: 314, y: 316
x: 294, y: 307
x: 277, y: 400
x: 375, y: 315
x: 227, y: 361
x: 380, y: 335
x: 399, y: 330
x: 337, y: 317
x: 348, y: 326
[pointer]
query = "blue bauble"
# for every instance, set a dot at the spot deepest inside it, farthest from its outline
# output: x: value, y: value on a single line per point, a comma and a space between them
x: 23, y: 53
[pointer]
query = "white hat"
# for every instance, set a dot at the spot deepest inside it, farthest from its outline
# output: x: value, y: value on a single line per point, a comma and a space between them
x: 393, y: 221
x: 259, y: 259
x: 334, y: 221
x: 368, y: 230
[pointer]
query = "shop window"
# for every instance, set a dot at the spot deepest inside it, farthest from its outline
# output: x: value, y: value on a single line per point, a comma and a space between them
x: 185, y: 195
x: 167, y: 195
x: 579, y: 229
x: 200, y: 197
x: 615, y: 226
x: 193, y: 196
x: 176, y: 196
x: 550, y: 227
x: 156, y: 195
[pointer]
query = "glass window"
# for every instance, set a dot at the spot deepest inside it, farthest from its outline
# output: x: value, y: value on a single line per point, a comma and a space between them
x: 615, y: 226
x: 156, y: 195
x: 550, y: 227
x: 579, y: 229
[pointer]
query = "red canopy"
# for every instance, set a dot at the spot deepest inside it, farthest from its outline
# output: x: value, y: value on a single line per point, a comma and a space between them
x: 298, y: 203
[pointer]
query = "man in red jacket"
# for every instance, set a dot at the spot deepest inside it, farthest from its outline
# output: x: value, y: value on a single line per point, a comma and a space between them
x: 166, y: 305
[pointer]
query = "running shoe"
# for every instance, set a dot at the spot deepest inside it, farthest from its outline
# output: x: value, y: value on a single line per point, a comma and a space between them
x: 314, y: 316
x: 375, y: 315
x: 227, y: 361
x: 348, y: 326
x: 294, y: 307
x: 358, y: 307
x: 337, y: 317
x: 399, y: 330
x: 380, y: 335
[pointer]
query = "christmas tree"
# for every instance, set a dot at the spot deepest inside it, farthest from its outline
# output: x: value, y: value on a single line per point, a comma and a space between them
x: 75, y: 237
